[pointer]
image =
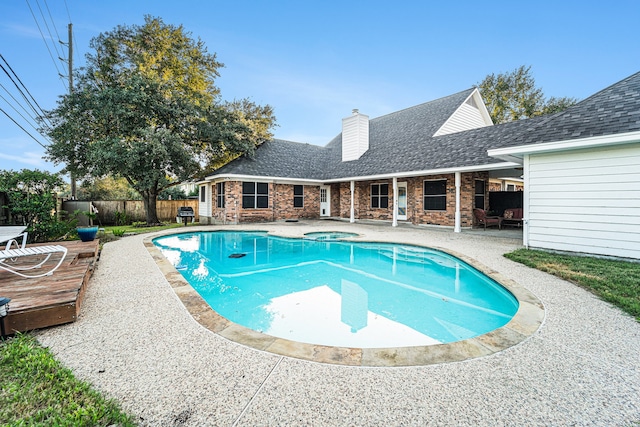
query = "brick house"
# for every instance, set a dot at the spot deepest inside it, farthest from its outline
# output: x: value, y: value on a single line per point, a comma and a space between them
x: 411, y: 165
x: 431, y: 164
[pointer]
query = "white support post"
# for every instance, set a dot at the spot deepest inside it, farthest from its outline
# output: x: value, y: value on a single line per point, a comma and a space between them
x: 525, y: 201
x: 352, y: 213
x: 456, y: 227
x: 395, y: 202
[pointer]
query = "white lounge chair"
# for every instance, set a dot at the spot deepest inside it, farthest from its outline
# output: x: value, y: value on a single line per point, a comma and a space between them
x: 13, y: 255
x: 11, y: 234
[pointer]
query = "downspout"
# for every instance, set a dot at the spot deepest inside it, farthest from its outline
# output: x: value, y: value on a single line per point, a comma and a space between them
x: 352, y: 213
x: 395, y: 202
x: 456, y: 227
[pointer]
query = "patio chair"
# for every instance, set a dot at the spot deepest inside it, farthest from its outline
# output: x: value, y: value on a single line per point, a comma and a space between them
x: 11, y: 233
x: 487, y: 221
x: 9, y: 258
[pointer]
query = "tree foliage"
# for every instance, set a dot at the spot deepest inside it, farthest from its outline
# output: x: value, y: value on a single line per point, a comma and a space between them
x: 146, y: 108
x: 106, y: 188
x: 32, y: 200
x: 515, y: 96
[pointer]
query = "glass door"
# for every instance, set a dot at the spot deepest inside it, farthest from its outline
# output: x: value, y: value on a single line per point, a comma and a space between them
x: 402, y: 201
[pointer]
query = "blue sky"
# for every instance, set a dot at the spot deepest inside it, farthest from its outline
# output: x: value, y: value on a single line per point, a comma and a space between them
x: 316, y: 61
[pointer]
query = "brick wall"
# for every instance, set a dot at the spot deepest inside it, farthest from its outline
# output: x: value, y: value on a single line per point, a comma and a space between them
x: 280, y: 205
x: 281, y: 202
x: 336, y: 200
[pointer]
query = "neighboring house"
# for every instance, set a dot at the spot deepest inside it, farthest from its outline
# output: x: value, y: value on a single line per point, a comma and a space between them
x: 433, y: 163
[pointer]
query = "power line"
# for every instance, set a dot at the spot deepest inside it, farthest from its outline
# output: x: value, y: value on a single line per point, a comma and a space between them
x: 75, y: 41
x: 44, y: 39
x: 52, y: 21
x: 25, y: 131
x: 17, y: 102
x: 20, y: 114
x: 46, y: 24
x: 41, y: 111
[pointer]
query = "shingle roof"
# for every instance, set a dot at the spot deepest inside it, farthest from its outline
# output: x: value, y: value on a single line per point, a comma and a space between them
x: 613, y: 110
x: 278, y: 158
x: 403, y: 141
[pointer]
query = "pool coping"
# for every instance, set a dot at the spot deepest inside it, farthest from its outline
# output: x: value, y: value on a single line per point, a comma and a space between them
x: 527, y: 320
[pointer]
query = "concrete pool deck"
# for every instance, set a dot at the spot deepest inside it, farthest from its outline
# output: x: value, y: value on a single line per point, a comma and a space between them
x: 136, y: 342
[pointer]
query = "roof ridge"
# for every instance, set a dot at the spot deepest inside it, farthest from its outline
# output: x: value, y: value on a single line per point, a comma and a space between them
x: 604, y: 90
x: 425, y: 103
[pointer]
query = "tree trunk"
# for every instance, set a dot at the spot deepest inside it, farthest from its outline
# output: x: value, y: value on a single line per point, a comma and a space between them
x: 149, y: 198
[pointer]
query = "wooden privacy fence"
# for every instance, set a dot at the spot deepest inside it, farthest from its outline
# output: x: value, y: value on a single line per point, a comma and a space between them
x: 134, y: 209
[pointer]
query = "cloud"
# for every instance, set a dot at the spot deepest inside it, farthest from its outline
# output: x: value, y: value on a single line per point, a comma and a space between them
x: 23, y: 31
x: 26, y: 159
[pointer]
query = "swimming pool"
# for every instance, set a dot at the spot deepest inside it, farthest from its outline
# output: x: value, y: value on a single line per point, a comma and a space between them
x: 339, y: 293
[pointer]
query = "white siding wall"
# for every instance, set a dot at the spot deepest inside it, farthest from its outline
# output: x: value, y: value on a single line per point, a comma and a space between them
x: 204, y: 208
x: 586, y: 201
x: 465, y: 118
x: 355, y: 136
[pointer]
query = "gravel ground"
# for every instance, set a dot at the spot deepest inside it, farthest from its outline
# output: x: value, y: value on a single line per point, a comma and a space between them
x: 136, y: 342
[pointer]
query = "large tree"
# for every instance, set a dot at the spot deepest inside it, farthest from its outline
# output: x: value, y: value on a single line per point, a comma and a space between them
x: 514, y: 95
x: 146, y: 108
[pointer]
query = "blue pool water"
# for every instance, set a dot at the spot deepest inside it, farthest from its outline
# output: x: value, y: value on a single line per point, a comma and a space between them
x: 338, y: 293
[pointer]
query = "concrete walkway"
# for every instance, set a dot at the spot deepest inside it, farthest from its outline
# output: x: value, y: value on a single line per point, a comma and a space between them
x: 136, y: 342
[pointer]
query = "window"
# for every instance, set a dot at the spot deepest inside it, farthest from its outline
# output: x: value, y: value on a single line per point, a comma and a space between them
x: 298, y: 196
x: 479, y: 194
x: 255, y: 195
x: 220, y: 195
x: 203, y: 194
x: 511, y: 187
x: 379, y: 196
x: 435, y: 195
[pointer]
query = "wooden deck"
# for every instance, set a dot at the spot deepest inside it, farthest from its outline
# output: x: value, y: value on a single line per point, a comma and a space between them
x: 49, y: 300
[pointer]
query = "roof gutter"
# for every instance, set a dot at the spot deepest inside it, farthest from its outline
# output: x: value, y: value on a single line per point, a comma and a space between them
x: 517, y: 153
x: 239, y: 177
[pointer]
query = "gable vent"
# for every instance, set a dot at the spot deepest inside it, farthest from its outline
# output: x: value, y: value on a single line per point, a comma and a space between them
x: 355, y: 136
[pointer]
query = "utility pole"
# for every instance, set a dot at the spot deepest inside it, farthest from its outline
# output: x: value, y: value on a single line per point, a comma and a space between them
x: 73, y: 178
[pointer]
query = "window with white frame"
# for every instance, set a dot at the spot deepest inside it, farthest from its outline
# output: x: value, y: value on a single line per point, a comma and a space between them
x: 220, y: 195
x: 435, y: 195
x: 203, y: 194
x: 255, y: 195
x: 379, y: 196
x: 298, y: 196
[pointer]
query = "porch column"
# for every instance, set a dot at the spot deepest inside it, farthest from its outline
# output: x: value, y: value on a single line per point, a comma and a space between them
x: 395, y: 202
x: 456, y: 227
x: 351, y: 215
x: 526, y: 202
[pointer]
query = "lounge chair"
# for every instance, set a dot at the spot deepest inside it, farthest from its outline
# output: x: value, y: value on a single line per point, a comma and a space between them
x: 487, y: 221
x: 11, y: 233
x: 9, y: 256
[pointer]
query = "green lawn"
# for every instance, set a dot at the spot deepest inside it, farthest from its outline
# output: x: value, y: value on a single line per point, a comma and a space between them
x: 617, y: 282
x: 35, y: 389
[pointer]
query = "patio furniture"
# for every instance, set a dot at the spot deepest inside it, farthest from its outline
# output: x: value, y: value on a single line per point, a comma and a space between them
x: 512, y: 216
x: 11, y: 260
x: 486, y: 221
x: 11, y: 233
